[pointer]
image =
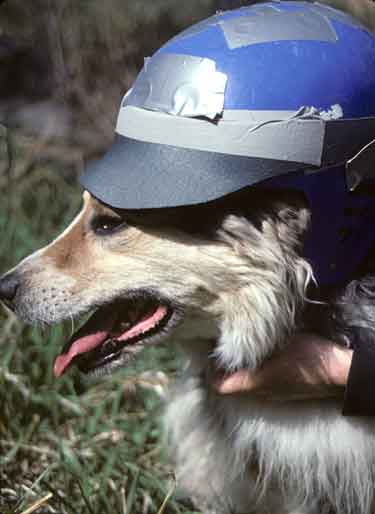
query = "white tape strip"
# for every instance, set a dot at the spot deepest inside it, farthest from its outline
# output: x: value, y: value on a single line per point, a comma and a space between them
x: 245, y: 133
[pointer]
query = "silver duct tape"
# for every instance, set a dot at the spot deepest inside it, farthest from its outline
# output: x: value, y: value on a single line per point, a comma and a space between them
x: 335, y: 14
x: 324, y: 13
x: 252, y: 118
x: 198, y: 27
x: 277, y: 26
x: 217, y: 18
x: 265, y: 9
x: 287, y: 140
x: 361, y: 166
x: 181, y: 85
x: 305, y: 112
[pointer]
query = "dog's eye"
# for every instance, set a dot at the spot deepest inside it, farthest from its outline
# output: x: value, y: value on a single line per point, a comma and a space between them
x: 105, y: 225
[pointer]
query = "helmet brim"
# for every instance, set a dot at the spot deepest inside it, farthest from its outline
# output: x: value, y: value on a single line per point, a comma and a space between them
x: 140, y: 175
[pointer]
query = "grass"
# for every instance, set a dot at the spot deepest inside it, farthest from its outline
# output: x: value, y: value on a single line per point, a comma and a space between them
x: 71, y: 445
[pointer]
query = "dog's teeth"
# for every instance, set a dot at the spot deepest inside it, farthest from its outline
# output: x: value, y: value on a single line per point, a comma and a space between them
x: 125, y: 325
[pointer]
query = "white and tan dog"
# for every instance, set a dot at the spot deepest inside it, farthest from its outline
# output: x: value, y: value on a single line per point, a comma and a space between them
x: 227, y: 282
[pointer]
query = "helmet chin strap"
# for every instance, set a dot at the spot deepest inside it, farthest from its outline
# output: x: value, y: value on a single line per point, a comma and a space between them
x: 361, y: 166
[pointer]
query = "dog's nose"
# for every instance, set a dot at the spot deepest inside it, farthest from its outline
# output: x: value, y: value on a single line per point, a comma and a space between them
x: 8, y: 287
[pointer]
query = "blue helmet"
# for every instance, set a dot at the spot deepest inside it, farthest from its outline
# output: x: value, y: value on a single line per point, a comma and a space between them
x: 274, y: 95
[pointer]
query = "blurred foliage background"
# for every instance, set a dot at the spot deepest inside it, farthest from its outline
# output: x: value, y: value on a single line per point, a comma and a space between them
x: 72, y: 445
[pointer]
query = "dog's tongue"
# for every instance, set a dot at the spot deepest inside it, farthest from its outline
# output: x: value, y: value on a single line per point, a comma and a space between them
x: 100, y: 327
x: 92, y: 334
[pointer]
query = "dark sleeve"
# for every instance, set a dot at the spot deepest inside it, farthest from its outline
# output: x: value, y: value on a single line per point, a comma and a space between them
x: 360, y: 389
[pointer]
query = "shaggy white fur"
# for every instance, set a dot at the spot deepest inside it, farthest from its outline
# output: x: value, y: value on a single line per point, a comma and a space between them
x: 272, y: 281
x: 238, y: 454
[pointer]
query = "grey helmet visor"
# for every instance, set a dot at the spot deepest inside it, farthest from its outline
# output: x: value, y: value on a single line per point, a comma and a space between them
x: 141, y: 175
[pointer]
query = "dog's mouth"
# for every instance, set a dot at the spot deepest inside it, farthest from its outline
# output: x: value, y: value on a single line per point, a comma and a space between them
x: 117, y: 330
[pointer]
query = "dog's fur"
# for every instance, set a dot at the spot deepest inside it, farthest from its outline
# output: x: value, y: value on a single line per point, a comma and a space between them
x: 236, y: 274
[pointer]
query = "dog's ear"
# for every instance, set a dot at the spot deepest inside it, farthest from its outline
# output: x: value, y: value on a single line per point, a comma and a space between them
x: 287, y: 210
x: 282, y: 216
x: 292, y: 223
x: 271, y: 278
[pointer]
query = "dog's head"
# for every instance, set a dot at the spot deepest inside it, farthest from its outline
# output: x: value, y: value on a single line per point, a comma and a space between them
x: 222, y: 273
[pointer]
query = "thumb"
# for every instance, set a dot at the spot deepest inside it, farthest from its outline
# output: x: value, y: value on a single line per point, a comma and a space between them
x: 240, y: 381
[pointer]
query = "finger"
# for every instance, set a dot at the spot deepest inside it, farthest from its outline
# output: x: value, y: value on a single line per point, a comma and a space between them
x: 304, y: 367
x: 239, y: 381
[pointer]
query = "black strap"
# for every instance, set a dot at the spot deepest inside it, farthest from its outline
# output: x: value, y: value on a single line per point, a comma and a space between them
x: 360, y: 390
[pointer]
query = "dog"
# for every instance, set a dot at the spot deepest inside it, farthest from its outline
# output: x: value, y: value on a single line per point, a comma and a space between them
x: 227, y: 282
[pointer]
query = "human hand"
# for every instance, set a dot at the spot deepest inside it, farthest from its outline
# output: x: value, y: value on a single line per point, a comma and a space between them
x: 309, y: 367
